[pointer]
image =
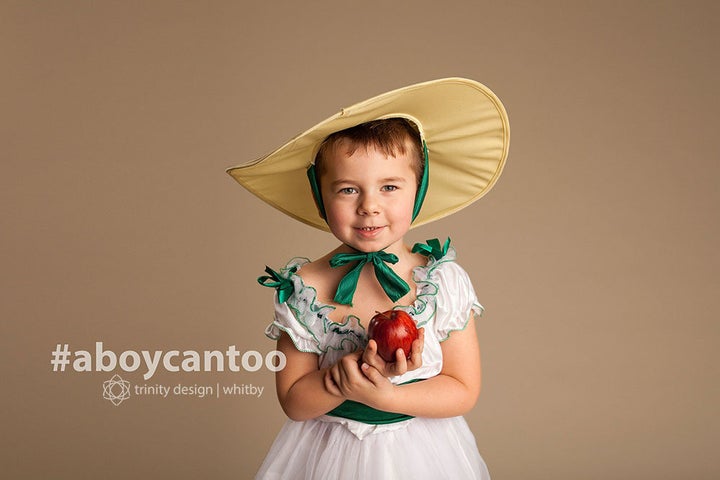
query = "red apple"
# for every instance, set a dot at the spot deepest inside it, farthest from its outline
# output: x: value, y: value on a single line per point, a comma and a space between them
x: 392, y: 330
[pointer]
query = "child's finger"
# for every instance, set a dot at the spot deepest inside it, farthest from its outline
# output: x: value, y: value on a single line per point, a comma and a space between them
x: 370, y: 355
x: 373, y: 374
x: 372, y: 358
x: 401, y: 365
x: 331, y: 386
x: 417, y: 349
x: 336, y: 376
x: 419, y: 343
x: 349, y: 372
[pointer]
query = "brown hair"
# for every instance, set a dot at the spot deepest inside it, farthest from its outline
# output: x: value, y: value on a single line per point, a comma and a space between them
x: 392, y: 136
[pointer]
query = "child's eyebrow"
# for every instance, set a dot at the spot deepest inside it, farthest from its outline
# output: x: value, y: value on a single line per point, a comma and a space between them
x: 393, y: 180
x: 345, y: 181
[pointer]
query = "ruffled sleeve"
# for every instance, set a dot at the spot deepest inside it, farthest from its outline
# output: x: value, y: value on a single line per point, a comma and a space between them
x: 306, y: 321
x: 455, y: 301
x: 293, y: 316
x: 300, y: 334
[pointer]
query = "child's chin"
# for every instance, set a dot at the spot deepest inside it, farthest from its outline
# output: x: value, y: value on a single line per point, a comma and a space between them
x: 366, y: 245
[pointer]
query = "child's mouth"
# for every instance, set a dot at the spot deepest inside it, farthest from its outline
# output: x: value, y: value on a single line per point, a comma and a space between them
x: 369, y: 231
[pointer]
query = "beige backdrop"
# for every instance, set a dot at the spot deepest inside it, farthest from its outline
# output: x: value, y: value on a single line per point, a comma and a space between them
x: 596, y: 255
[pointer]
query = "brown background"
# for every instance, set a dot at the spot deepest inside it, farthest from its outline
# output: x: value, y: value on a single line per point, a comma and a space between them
x: 596, y: 255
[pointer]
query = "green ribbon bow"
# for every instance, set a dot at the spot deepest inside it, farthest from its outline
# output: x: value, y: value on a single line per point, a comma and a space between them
x: 394, y: 286
x: 432, y: 248
x: 273, y: 279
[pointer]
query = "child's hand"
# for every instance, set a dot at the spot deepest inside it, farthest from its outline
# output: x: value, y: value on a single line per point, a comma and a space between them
x: 339, y: 371
x: 353, y: 379
x: 401, y: 363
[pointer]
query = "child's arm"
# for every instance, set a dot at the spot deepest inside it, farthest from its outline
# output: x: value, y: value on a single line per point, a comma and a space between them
x: 300, y: 386
x: 452, y: 392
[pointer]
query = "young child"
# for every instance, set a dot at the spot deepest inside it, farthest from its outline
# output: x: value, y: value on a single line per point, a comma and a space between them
x: 375, y: 170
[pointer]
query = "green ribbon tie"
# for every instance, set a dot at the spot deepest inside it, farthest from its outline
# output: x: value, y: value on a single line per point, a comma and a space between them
x: 273, y: 279
x: 432, y: 248
x: 394, y: 286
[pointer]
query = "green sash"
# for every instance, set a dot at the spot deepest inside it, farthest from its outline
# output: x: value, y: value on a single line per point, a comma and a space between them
x: 362, y: 413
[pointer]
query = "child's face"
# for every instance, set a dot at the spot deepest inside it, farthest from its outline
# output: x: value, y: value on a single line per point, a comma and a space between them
x: 369, y: 197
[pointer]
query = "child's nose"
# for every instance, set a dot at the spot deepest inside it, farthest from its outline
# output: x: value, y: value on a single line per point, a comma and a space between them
x: 369, y: 205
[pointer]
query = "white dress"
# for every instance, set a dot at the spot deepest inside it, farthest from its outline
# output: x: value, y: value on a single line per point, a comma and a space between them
x: 331, y: 447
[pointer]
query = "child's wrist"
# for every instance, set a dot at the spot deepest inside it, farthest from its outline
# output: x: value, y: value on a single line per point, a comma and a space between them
x: 388, y: 402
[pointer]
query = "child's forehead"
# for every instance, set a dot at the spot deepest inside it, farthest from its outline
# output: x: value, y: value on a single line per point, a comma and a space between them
x: 347, y: 148
x: 347, y: 156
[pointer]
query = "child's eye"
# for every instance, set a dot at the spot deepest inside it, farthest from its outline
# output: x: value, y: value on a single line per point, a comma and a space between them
x: 347, y: 191
x: 389, y: 188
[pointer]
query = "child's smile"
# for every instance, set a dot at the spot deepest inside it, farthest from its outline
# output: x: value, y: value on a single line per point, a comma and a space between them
x: 369, y: 197
x: 369, y: 232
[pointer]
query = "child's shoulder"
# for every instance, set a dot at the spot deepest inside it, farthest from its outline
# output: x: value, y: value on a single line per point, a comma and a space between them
x: 319, y: 275
x: 315, y: 268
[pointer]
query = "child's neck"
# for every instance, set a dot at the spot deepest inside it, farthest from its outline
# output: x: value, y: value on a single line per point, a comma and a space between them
x: 399, y: 249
